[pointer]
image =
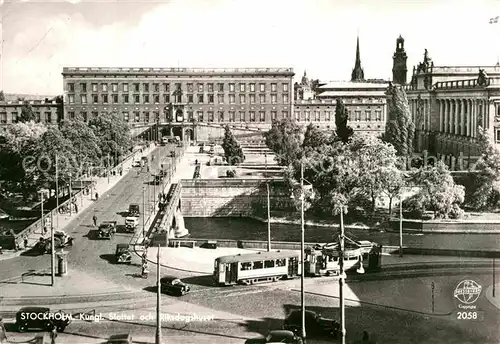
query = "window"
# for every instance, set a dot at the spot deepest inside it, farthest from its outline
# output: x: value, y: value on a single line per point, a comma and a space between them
x: 83, y: 98
x: 166, y: 98
x: 210, y: 116
x: 115, y: 98
x: 273, y: 115
x: 242, y: 87
x: 252, y: 116
x: 114, y: 87
x: 316, y: 115
x: 146, y: 98
x: 242, y: 116
x: 284, y: 114
x: 166, y: 87
x: 95, y: 114
x: 220, y: 98
x: 262, y: 116
x: 274, y: 88
x: 200, y: 87
x: 357, y: 115
x: 242, y: 99
x: 136, y: 87
x: 125, y: 98
x: 252, y: 87
x: 199, y: 114
x: 156, y: 87
x: 269, y: 264
x: 285, y: 99
x: 84, y: 116
x: 38, y: 116
x: 368, y: 115
x: 252, y: 99
x: 71, y: 87
x: 221, y: 116
x: 71, y: 115
x: 125, y: 87
x: 156, y: 98
x: 210, y: 99
x: 146, y: 116
x: 14, y: 117
x: 274, y: 98
x: 145, y: 87
x: 220, y: 87
x: 190, y: 87
x: 83, y: 87
x: 105, y: 98
x: 48, y: 117
x: 105, y: 87
x: 136, y: 99
x: 308, y: 115
x: 137, y: 116
x: 95, y: 99
x: 280, y: 262
x: 200, y: 98
x: 246, y: 266
x: 262, y: 98
x: 94, y: 87
x: 257, y: 265
x: 328, y: 116
x: 190, y: 98
x: 231, y: 87
x: 190, y: 116
x: 231, y: 99
x: 378, y: 115
x: 262, y: 87
x: 297, y: 116
x: 210, y: 87
x: 285, y: 87
x: 71, y: 98
x: 232, y: 116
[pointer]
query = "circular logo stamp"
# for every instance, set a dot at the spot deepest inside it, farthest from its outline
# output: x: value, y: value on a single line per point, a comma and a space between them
x: 467, y: 291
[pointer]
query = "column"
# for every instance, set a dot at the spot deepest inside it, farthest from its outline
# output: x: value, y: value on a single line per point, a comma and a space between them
x: 440, y: 115
x: 491, y: 111
x: 458, y: 111
x: 446, y: 115
x: 469, y: 118
x: 473, y: 118
x: 463, y: 104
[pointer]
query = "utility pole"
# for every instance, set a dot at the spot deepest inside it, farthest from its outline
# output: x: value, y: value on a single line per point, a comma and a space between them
x: 158, y: 299
x: 268, y: 219
x: 52, y: 241
x: 401, y: 227
x: 43, y: 218
x: 108, y: 168
x: 302, y: 229
x: 494, y: 277
x: 143, y: 213
x: 70, y: 195
x: 341, y: 278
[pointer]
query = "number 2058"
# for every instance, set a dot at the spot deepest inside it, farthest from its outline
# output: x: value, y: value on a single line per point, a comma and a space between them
x: 469, y: 315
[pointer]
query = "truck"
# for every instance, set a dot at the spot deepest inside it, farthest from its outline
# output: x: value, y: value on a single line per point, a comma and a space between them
x: 131, y: 223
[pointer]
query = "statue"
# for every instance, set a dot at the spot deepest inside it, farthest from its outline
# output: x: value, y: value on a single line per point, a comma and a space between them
x: 482, y: 78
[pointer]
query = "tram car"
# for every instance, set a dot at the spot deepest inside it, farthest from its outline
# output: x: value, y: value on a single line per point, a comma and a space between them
x: 257, y: 267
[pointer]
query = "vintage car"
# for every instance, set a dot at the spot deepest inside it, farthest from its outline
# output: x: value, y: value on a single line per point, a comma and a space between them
x: 174, y: 286
x: 277, y: 336
x: 131, y: 223
x: 122, y: 254
x: 120, y: 339
x: 316, y: 325
x: 133, y: 210
x: 61, y: 240
x: 137, y: 163
x: 107, y: 230
x: 41, y: 318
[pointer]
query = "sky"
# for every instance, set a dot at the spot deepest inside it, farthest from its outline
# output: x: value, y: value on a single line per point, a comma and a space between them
x: 42, y: 37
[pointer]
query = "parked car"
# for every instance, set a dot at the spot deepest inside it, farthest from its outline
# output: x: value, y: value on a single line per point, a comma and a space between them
x: 107, y: 230
x: 122, y: 254
x: 144, y: 160
x: 61, y: 240
x: 277, y: 336
x: 41, y: 318
x: 120, y: 339
x: 316, y: 325
x: 131, y: 223
x: 133, y: 210
x: 137, y: 163
x: 173, y: 285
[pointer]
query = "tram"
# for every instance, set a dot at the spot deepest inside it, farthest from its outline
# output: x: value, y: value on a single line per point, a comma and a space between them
x: 257, y: 267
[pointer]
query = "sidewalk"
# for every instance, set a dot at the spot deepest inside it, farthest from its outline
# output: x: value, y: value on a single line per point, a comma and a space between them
x: 103, y: 185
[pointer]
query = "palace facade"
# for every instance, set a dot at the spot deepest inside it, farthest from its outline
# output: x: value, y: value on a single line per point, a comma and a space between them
x: 47, y: 111
x: 449, y: 104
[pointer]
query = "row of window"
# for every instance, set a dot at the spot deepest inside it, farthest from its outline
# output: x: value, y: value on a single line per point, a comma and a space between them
x: 200, y: 87
x: 356, y: 116
x: 48, y: 117
x: 200, y: 99
x: 266, y: 264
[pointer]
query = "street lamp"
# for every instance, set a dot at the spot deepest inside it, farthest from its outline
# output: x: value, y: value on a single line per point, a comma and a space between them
x: 268, y: 219
x: 401, y: 226
x: 143, y: 213
x: 158, y: 299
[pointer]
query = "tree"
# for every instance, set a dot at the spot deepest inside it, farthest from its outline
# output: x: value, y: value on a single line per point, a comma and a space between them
x: 486, y: 180
x: 113, y: 134
x: 313, y: 138
x: 344, y: 132
x: 438, y: 191
x: 2, y: 96
x: 27, y: 113
x: 400, y: 129
x: 284, y: 139
x: 83, y: 141
x: 232, y: 149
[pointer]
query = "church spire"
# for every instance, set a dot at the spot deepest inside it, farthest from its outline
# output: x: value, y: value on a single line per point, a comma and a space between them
x: 357, y: 72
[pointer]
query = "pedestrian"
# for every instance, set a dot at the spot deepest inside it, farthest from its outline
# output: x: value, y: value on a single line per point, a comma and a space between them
x: 76, y: 208
x: 94, y: 218
x: 96, y: 196
x: 366, y: 337
x: 45, y: 230
x: 53, y: 335
x: 3, y: 332
x: 25, y: 241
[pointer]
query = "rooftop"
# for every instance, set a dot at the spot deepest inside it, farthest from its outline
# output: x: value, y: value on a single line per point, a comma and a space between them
x: 355, y: 93
x: 463, y: 69
x: 128, y: 70
x: 354, y: 85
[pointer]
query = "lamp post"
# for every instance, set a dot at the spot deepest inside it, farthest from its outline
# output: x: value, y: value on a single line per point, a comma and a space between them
x: 401, y: 227
x: 341, y: 278
x: 143, y: 213
x: 108, y: 169
x: 268, y: 219
x: 70, y: 195
x: 43, y: 218
x: 158, y: 299
x: 493, y: 292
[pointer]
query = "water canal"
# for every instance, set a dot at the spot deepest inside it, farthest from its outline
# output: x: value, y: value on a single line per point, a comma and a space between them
x: 250, y: 229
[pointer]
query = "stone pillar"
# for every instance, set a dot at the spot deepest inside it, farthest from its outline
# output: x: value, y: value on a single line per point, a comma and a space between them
x: 467, y: 117
x: 458, y: 111
x: 453, y: 116
x: 441, y: 115
x: 473, y: 118
x: 463, y: 104
x: 446, y: 115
